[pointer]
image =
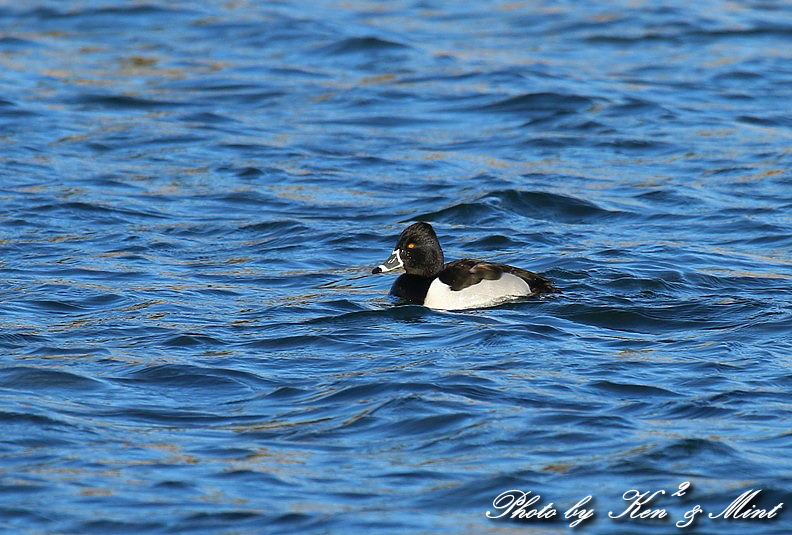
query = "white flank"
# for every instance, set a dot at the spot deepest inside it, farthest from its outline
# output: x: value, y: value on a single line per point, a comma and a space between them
x: 485, y: 293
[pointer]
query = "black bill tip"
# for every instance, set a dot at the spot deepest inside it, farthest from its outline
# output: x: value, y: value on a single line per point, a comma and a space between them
x: 376, y: 270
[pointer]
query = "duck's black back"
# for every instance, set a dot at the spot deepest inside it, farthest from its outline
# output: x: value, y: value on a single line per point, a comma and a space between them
x: 466, y: 272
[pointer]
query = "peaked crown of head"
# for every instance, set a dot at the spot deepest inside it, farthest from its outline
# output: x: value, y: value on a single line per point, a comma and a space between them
x: 420, y: 250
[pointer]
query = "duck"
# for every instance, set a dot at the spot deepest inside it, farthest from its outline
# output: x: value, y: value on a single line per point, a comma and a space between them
x: 465, y: 283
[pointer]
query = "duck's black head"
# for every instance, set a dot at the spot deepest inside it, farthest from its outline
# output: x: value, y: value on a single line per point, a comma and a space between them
x: 417, y: 251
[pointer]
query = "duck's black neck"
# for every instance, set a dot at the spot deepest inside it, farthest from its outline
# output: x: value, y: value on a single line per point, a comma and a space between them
x: 411, y: 287
x: 429, y: 271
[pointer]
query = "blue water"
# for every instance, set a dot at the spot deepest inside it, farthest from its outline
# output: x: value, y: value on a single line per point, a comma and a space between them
x: 193, y: 196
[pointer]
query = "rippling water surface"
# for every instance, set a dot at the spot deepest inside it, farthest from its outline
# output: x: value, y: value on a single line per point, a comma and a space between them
x: 193, y: 196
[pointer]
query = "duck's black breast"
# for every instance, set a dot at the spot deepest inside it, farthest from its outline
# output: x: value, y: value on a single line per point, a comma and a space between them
x: 466, y: 272
x: 411, y: 288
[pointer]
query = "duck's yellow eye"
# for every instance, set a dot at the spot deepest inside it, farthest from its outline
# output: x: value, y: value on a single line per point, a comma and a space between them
x: 410, y: 245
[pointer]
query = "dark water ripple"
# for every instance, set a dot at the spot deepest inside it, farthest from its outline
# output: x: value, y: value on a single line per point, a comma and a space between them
x: 193, y: 196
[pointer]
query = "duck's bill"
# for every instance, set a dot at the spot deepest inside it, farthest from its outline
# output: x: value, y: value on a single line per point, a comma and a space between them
x: 393, y: 262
